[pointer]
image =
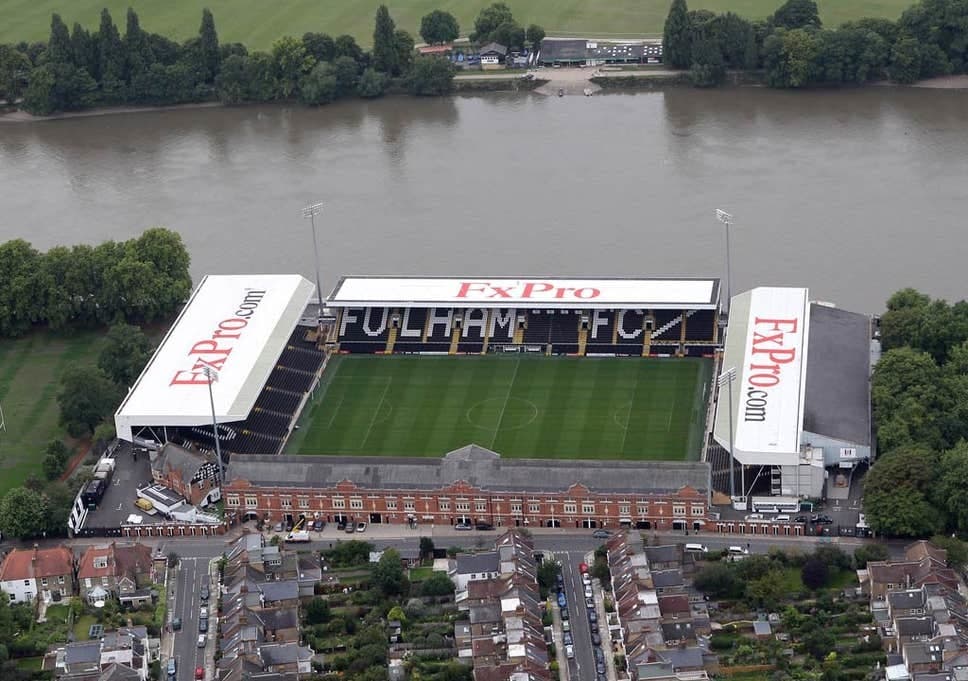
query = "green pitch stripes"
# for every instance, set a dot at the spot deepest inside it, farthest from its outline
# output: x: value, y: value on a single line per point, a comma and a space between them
x: 527, y: 407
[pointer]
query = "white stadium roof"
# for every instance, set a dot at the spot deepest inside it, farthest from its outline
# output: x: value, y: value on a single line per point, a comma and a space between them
x: 240, y: 325
x: 530, y: 292
x: 766, y: 342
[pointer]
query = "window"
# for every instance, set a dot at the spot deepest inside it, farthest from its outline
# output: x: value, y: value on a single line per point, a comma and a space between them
x: 285, y: 502
x: 463, y: 506
x: 534, y: 507
x: 87, y: 582
x: 339, y: 502
x: 571, y: 507
x: 231, y: 500
x: 678, y: 509
x: 60, y: 580
x: 26, y: 582
x: 303, y: 502
x: 104, y: 581
x: 43, y: 581
x: 356, y: 504
x: 515, y: 507
x: 444, y: 504
x: 587, y: 507
x: 251, y: 502
x: 391, y: 504
x: 623, y: 509
x: 408, y: 505
x: 100, y: 562
x: 480, y: 506
x: 643, y: 509
x: 696, y: 510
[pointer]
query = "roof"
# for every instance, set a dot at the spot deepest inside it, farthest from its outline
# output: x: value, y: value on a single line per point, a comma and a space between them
x: 238, y: 323
x: 119, y: 672
x: 280, y: 591
x: 525, y: 292
x: 761, y: 628
x: 495, y: 48
x: 436, y: 49
x: 907, y: 599
x: 914, y: 626
x: 132, y: 559
x: 766, y: 343
x: 669, y: 553
x: 563, y: 49
x: 473, y: 464
x: 666, y: 578
x: 79, y: 653
x: 473, y: 563
x: 36, y: 563
x: 837, y: 401
x: 185, y: 461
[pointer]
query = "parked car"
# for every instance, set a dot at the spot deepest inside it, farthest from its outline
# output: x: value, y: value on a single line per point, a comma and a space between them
x: 564, y: 614
x: 176, y: 624
x: 566, y: 625
x: 463, y: 526
x: 570, y: 652
x: 586, y: 578
x: 735, y: 551
x: 350, y: 528
x: 583, y: 568
x: 483, y: 527
x: 592, y: 616
x: 593, y: 626
x: 562, y: 602
x: 801, y: 519
x: 204, y: 593
x: 596, y: 639
x: 567, y: 638
x: 203, y: 612
x: 199, y: 673
x: 319, y: 525
x: 559, y: 579
x: 601, y: 534
x: 695, y: 548
x: 589, y: 602
x: 588, y: 591
x: 203, y: 625
x: 599, y: 655
x: 600, y: 666
x: 361, y: 527
x: 821, y: 519
x: 202, y: 640
x: 172, y: 668
x: 755, y: 516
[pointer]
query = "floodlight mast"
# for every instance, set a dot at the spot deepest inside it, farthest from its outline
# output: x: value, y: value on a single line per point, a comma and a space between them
x: 726, y: 219
x: 726, y: 378
x: 311, y: 211
x: 212, y: 374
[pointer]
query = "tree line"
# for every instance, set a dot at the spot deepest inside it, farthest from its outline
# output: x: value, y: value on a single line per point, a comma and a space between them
x: 77, y: 68
x: 140, y: 280
x: 795, y: 50
x: 919, y: 393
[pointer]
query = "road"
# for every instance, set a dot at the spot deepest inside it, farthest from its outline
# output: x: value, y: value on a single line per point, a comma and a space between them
x: 583, y: 666
x: 187, y: 606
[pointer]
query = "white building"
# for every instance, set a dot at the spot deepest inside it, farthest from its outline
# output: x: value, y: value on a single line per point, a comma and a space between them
x: 801, y: 391
x: 471, y: 567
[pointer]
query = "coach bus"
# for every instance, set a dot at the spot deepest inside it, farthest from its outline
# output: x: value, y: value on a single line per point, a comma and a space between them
x: 775, y: 504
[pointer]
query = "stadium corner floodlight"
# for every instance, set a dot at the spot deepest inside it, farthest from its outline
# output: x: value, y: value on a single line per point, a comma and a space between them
x: 311, y: 211
x: 211, y: 373
x: 726, y: 379
x: 726, y: 219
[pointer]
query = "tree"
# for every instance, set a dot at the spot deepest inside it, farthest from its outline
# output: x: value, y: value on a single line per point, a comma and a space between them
x: 956, y: 549
x: 291, y: 63
x: 388, y: 574
x: 350, y: 553
x: 320, y: 85
x: 869, y: 553
x: 138, y: 56
x: 951, y: 484
x: 404, y: 44
x: 20, y: 263
x: 384, y: 53
x: 87, y: 397
x: 676, y: 36
x: 59, y: 50
x: 317, y: 611
x: 796, y: 14
x: 347, y: 73
x: 509, y: 34
x: 905, y: 63
x: 790, y: 58
x: 372, y: 84
x: 708, y: 68
x: 599, y: 570
x: 534, y: 35
x: 718, y: 580
x: 439, y: 27
x: 22, y: 513
x: 230, y: 83
x: 345, y: 46
x: 396, y: 613
x: 125, y: 354
x: 172, y: 559
x: 896, y: 493
x: 14, y: 67
x: 260, y: 80
x: 209, y: 51
x: 488, y: 21
x: 58, y: 87
x: 60, y: 500
x: 111, y: 60
x: 437, y: 584
x: 319, y: 46
x: 53, y: 467
x: 431, y: 76
x: 737, y: 40
x: 767, y: 591
x: 814, y: 574
x: 426, y: 548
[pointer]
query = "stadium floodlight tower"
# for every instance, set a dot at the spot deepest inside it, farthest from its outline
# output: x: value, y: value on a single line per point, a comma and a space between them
x: 212, y: 374
x: 726, y: 378
x: 311, y: 211
x: 726, y: 218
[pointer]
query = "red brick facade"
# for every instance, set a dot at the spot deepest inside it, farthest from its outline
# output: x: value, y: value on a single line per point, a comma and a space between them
x: 576, y: 507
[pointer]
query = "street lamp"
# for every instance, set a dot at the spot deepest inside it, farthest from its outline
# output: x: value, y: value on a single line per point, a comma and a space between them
x: 311, y: 211
x: 212, y: 374
x: 726, y: 378
x: 726, y: 218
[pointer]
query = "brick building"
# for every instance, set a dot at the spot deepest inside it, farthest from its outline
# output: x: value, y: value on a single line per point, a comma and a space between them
x: 471, y: 484
x: 189, y: 472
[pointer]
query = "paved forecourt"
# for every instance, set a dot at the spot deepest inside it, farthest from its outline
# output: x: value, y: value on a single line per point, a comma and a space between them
x: 521, y: 406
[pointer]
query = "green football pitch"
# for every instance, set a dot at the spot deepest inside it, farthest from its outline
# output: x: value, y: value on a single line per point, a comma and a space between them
x: 528, y: 407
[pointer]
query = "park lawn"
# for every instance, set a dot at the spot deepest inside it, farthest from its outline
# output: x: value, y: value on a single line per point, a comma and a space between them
x: 257, y: 23
x: 30, y: 373
x: 520, y: 407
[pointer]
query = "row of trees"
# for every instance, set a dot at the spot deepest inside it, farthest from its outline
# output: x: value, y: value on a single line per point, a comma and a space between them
x: 140, y: 280
x: 792, y: 47
x: 919, y: 394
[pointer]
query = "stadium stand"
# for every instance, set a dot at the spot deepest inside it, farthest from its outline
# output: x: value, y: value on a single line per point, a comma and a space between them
x: 564, y: 331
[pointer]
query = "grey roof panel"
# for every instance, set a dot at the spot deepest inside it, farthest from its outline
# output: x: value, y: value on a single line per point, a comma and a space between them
x: 473, y: 464
x: 837, y: 398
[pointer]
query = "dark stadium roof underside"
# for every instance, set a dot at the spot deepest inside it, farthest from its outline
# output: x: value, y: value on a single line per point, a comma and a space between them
x: 532, y: 293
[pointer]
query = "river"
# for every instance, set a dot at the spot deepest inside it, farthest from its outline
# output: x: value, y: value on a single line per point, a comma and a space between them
x: 854, y: 193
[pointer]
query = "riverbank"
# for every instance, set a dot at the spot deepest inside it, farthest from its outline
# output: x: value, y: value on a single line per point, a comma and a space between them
x: 20, y: 116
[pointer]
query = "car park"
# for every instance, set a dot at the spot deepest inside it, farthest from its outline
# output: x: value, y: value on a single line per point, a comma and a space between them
x: 601, y: 534
x: 361, y: 527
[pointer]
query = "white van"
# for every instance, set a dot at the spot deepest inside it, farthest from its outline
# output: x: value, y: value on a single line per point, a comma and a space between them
x: 782, y: 518
x: 737, y: 552
x: 695, y: 548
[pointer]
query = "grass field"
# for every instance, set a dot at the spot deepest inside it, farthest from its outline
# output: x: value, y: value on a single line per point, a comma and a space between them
x: 531, y: 407
x: 257, y: 22
x: 30, y: 371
